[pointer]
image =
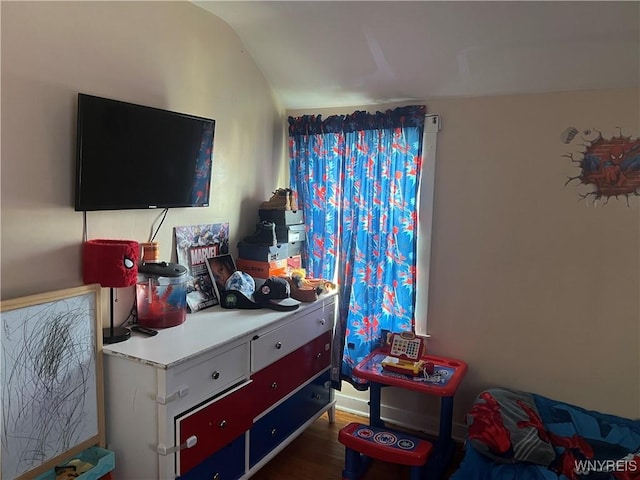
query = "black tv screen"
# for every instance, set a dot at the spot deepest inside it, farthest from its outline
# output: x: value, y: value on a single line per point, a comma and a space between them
x: 133, y: 157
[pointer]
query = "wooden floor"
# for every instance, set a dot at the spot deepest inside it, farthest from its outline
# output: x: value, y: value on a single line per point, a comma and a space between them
x: 317, y: 455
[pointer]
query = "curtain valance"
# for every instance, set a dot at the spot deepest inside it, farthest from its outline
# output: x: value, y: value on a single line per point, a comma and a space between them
x: 410, y: 116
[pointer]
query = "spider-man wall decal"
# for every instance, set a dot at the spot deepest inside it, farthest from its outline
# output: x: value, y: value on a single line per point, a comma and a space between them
x: 610, y: 165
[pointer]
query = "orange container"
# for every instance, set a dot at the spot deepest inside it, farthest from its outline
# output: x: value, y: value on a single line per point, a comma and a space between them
x: 262, y: 269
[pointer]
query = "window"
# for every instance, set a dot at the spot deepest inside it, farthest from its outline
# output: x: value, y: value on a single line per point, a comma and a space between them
x: 358, y: 179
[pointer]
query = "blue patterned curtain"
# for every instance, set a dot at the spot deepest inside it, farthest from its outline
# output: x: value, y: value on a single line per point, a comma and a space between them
x: 356, y: 178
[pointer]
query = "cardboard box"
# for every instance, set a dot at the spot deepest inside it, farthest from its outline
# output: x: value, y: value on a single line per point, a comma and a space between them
x: 262, y: 269
x: 263, y: 253
x: 294, y: 262
x: 294, y: 248
x: 290, y: 233
x: 282, y: 217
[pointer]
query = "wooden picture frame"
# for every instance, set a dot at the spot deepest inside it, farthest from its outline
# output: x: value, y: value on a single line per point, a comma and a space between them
x: 52, y: 379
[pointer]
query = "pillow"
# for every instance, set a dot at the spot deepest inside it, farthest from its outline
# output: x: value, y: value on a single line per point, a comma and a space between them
x: 505, y: 426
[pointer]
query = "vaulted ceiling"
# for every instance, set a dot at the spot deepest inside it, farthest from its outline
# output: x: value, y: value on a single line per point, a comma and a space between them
x: 329, y: 54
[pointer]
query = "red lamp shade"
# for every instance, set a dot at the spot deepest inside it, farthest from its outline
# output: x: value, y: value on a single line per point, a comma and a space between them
x: 111, y: 263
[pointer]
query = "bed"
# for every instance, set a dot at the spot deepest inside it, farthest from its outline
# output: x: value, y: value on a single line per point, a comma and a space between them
x: 514, y: 435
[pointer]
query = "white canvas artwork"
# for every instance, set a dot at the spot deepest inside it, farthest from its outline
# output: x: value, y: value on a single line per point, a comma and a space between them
x: 49, y: 383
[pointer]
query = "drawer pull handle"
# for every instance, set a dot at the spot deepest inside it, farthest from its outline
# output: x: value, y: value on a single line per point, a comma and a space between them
x: 274, y: 385
x: 162, y: 449
x: 222, y: 424
x: 317, y: 396
x: 322, y: 321
x: 319, y: 356
x: 217, y: 476
x: 279, y: 345
x: 164, y: 399
x: 274, y: 432
x: 215, y: 375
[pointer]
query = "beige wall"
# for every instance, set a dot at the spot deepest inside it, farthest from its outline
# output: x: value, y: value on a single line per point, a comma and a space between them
x: 537, y: 289
x: 533, y: 287
x: 170, y: 55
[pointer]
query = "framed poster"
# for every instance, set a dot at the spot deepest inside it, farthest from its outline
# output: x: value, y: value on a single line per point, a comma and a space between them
x: 52, y: 379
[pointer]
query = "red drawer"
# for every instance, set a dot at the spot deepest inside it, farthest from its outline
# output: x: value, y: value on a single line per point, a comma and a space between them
x: 282, y: 377
x: 215, y: 424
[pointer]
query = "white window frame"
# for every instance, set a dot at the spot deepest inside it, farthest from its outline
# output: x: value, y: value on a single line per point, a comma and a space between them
x: 426, y: 195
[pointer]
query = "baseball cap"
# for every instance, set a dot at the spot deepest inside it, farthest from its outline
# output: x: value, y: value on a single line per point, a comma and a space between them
x: 238, y: 292
x: 241, y: 282
x: 275, y: 293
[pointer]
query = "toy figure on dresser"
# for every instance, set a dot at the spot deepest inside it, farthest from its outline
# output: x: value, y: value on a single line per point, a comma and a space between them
x: 282, y: 199
x: 307, y: 289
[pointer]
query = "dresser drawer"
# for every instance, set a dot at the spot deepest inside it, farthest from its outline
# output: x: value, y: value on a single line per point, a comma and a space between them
x: 274, y: 345
x: 226, y: 464
x: 278, y: 424
x: 274, y: 382
x: 205, y: 376
x: 214, y: 425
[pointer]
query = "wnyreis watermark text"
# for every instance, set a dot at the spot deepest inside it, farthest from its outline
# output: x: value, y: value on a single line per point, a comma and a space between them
x: 585, y: 467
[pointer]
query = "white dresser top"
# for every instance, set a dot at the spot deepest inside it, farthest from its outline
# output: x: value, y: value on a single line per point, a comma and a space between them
x: 202, y: 331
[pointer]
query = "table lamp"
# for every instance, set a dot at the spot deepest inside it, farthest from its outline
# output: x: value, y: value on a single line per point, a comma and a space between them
x: 112, y: 264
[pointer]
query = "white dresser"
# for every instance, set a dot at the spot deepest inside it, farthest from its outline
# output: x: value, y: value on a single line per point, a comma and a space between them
x: 220, y: 395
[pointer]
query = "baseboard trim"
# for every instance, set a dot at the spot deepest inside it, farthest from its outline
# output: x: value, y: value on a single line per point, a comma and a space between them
x: 427, y: 424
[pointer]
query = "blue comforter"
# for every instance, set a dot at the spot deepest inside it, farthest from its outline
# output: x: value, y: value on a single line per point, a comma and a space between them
x: 585, y: 445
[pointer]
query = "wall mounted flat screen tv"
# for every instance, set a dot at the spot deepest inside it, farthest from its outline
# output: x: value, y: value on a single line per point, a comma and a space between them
x: 136, y: 157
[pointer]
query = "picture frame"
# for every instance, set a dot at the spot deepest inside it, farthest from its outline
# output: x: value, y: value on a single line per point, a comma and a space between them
x: 52, y: 379
x: 220, y: 268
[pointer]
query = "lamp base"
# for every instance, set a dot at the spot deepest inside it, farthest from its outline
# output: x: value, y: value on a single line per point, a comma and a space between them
x: 115, y: 335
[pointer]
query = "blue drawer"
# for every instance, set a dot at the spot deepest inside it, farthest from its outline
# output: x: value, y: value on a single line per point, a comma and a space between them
x: 227, y: 463
x: 275, y: 426
x: 313, y: 397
